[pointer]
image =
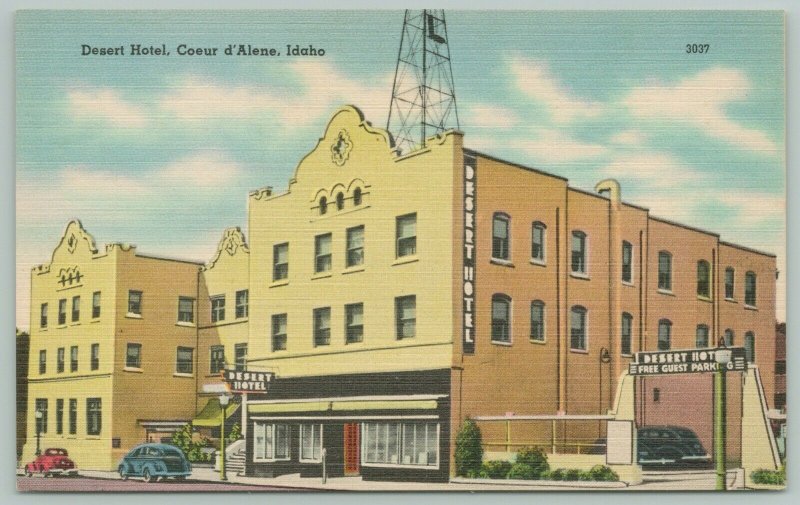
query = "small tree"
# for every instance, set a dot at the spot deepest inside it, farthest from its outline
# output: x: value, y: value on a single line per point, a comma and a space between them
x: 469, y: 449
x: 182, y: 438
x: 235, y: 434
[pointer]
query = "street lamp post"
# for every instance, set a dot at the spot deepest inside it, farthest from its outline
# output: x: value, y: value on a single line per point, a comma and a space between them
x: 39, y: 415
x: 223, y: 401
x: 722, y: 356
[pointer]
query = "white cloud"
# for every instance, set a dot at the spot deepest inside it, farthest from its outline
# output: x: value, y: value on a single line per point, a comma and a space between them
x: 628, y: 138
x: 556, y: 146
x: 483, y: 115
x: 204, y: 169
x: 534, y: 79
x: 106, y: 105
x: 653, y: 171
x: 700, y: 101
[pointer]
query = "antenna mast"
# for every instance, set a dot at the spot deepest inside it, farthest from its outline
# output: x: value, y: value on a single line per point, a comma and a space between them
x: 423, y: 96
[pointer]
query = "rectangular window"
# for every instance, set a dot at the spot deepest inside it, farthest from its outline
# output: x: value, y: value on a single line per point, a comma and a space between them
x: 537, y: 321
x: 355, y: 246
x: 59, y: 416
x: 95, y: 357
x: 578, y: 252
x: 217, y: 308
x: 133, y: 356
x: 95, y: 304
x: 537, y: 242
x: 184, y: 360
x: 217, y: 358
x: 62, y: 311
x: 43, y: 316
x: 322, y: 326
x: 322, y: 253
x: 400, y: 443
x: 729, y: 282
x: 240, y: 355
x: 500, y: 241
x: 578, y: 328
x: 76, y: 308
x: 406, y: 235
x: 73, y: 358
x: 780, y: 367
x: 501, y: 319
x: 311, y: 443
x: 41, y: 422
x: 405, y: 308
x: 703, y: 279
x: 280, y: 262
x: 665, y: 271
x: 627, y: 262
x: 279, y: 332
x: 242, y: 303
x: 94, y: 416
x: 135, y: 302
x: 750, y: 347
x: 627, y: 329
x: 750, y: 289
x: 42, y: 362
x: 664, y: 335
x: 60, y: 360
x: 354, y: 323
x: 185, y: 309
x: 701, y: 336
x: 73, y: 416
x: 270, y: 442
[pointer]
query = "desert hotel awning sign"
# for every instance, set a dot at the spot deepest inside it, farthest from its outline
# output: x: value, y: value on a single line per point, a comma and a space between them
x: 686, y: 361
x: 468, y: 279
x: 247, y: 382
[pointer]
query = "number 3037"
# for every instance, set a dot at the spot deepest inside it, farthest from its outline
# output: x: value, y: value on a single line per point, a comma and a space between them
x: 697, y: 48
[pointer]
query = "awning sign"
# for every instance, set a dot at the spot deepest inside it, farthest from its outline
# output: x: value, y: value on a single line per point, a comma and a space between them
x: 685, y: 361
x: 247, y: 382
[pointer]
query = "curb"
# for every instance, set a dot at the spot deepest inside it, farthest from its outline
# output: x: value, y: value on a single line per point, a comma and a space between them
x: 543, y: 483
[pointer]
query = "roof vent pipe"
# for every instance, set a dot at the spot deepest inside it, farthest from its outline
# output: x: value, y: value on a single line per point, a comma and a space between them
x: 612, y: 187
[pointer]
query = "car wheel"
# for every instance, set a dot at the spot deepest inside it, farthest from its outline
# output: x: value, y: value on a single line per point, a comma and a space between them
x: 122, y: 473
x: 28, y: 472
x: 146, y: 475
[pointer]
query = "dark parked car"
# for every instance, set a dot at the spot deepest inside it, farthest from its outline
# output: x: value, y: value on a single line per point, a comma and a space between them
x: 670, y: 445
x: 154, y: 461
x: 52, y: 462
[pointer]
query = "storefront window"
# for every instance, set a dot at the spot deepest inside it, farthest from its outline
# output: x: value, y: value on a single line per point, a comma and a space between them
x: 270, y: 442
x: 311, y: 442
x: 393, y: 443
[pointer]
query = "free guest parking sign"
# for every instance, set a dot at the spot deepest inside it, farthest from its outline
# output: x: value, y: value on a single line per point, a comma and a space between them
x: 685, y: 361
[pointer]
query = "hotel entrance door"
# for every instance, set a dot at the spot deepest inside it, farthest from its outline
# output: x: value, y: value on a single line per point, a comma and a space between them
x: 352, y: 449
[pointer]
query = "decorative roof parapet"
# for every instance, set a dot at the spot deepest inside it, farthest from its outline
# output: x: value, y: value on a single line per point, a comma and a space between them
x: 233, y: 240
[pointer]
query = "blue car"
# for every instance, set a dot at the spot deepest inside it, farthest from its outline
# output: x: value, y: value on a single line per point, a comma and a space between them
x: 154, y: 461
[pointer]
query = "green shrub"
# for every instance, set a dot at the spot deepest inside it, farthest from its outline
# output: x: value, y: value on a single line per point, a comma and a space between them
x: 496, y: 469
x: 469, y: 449
x: 762, y: 476
x: 535, y: 458
x: 584, y: 475
x: 572, y: 474
x: 557, y: 474
x: 235, y: 434
x: 603, y: 473
x: 182, y: 439
x: 523, y: 471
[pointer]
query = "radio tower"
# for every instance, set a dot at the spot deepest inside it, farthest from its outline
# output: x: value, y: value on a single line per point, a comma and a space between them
x: 423, y: 95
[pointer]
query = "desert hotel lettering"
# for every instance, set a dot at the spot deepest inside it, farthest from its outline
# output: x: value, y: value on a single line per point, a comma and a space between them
x: 470, y: 202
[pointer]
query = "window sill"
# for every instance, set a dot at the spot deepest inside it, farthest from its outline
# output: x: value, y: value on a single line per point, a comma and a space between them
x: 541, y: 263
x: 353, y: 269
x: 322, y: 275
x: 579, y: 351
x: 93, y: 437
x: 504, y: 344
x: 665, y: 292
x: 281, y: 282
x: 43, y: 329
x: 310, y: 461
x: 185, y: 324
x: 629, y: 284
x: 731, y: 300
x: 579, y: 275
x: 626, y: 355
x: 131, y: 315
x: 132, y: 369
x: 186, y: 375
x: 704, y: 299
x: 538, y: 342
x: 750, y: 307
x: 96, y: 320
x: 75, y: 323
x: 405, y: 259
x: 501, y: 262
x: 61, y: 326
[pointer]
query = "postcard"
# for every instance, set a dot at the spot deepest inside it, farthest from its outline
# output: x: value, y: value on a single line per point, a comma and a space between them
x: 400, y: 250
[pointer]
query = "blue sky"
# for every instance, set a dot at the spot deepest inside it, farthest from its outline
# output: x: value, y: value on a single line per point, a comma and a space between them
x: 161, y: 151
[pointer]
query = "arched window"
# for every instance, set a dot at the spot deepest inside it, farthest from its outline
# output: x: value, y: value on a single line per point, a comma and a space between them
x: 729, y: 283
x: 538, y: 242
x: 323, y: 206
x: 703, y: 279
x: 578, y: 252
x: 626, y: 332
x: 357, y: 197
x: 750, y: 346
x: 339, y: 201
x: 501, y: 318
x: 728, y: 337
x: 665, y: 271
x: 537, y: 321
x: 500, y: 236
x: 750, y: 289
x: 701, y: 336
x: 664, y: 335
x: 577, y: 329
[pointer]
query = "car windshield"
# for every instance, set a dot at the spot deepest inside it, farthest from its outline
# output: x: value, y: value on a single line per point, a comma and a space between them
x: 172, y: 452
x: 685, y: 433
x: 55, y: 452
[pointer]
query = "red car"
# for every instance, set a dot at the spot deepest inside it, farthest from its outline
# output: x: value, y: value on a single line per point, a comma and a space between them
x: 52, y: 462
